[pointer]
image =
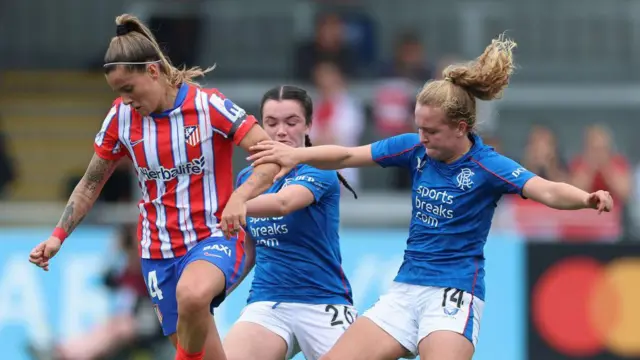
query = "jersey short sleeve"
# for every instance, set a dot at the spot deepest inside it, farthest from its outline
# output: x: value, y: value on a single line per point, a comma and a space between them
x: 506, y: 175
x: 107, y: 144
x: 395, y: 151
x: 319, y: 182
x: 228, y: 119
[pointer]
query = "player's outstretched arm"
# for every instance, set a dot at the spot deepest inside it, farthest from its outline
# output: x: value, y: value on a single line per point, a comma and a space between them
x: 80, y: 202
x: 334, y: 157
x: 285, y: 201
x: 327, y: 157
x: 307, y: 186
x: 563, y: 196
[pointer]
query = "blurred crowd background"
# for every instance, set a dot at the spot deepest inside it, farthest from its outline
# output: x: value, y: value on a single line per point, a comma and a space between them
x: 570, y: 114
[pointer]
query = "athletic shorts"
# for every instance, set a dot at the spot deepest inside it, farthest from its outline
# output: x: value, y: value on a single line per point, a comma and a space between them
x: 411, y: 312
x: 162, y: 275
x: 310, y: 328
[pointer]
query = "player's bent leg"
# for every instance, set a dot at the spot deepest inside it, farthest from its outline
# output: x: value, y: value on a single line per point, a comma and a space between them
x: 449, y: 324
x: 205, y: 272
x: 445, y: 345
x: 200, y: 282
x: 364, y: 340
x: 250, y: 341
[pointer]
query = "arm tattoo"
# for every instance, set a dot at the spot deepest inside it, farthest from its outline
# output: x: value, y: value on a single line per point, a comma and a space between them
x: 97, y: 172
x: 68, y: 222
x: 86, y: 192
x: 66, y: 215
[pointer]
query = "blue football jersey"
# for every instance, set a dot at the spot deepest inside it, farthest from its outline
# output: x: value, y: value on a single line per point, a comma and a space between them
x: 298, y: 255
x: 453, y: 206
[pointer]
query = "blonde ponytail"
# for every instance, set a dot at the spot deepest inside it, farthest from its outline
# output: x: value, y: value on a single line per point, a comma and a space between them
x: 484, y: 78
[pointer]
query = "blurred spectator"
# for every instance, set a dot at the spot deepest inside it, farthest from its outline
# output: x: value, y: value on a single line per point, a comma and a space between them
x: 394, y: 98
x: 393, y: 107
x: 339, y: 117
x: 330, y: 44
x: 7, y: 169
x: 361, y: 34
x: 133, y: 325
x: 410, y: 61
x: 599, y: 167
x: 542, y: 156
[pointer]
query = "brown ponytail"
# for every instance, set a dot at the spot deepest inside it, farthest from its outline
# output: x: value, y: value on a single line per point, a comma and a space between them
x: 134, y: 46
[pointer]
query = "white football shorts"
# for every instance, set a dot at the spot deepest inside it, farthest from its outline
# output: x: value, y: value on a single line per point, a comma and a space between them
x: 411, y: 312
x: 312, y: 329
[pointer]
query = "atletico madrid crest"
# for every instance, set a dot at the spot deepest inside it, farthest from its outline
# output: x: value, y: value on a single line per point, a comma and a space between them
x: 192, y: 135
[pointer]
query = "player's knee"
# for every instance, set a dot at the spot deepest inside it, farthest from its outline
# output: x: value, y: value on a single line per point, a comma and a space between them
x: 191, y: 298
x: 197, y: 287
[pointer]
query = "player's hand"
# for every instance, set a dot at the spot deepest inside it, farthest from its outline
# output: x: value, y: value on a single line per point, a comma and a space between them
x: 43, y: 252
x: 600, y: 200
x: 270, y: 151
x: 234, y: 217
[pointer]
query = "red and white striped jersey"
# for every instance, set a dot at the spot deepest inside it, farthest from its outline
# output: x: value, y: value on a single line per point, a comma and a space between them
x: 183, y: 162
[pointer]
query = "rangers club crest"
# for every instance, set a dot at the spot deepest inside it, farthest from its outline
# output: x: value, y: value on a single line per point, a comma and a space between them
x: 192, y: 135
x: 464, y: 179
